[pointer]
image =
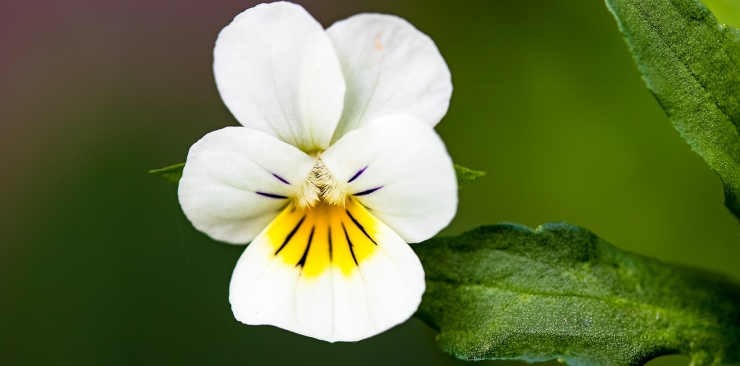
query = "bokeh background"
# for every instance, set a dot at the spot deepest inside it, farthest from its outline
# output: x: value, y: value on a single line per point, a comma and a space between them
x: 98, y: 266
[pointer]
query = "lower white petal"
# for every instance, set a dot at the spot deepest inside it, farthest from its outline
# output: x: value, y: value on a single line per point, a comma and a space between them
x: 331, y: 272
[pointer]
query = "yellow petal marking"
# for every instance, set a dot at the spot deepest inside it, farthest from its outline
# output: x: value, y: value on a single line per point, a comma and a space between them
x: 324, y: 236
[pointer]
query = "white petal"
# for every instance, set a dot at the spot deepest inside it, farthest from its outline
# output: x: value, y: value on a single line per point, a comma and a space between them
x: 234, y: 179
x: 390, y: 68
x: 399, y: 169
x: 277, y: 71
x: 361, y: 282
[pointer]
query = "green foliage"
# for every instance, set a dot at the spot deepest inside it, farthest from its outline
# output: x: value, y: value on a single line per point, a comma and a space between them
x: 465, y: 175
x: 560, y: 292
x: 691, y: 64
x: 173, y: 174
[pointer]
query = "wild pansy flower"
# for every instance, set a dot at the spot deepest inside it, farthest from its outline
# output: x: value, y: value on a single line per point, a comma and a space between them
x: 336, y: 169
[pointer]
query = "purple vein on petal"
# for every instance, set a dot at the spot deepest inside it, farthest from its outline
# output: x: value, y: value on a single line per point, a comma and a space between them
x: 280, y: 178
x: 367, y: 191
x: 356, y: 175
x: 271, y: 195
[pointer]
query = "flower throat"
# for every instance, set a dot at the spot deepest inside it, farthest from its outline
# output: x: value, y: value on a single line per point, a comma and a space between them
x: 320, y: 185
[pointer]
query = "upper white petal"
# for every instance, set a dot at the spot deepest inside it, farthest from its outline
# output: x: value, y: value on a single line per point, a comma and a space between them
x: 277, y: 72
x: 390, y: 68
x: 223, y: 174
x: 406, y: 164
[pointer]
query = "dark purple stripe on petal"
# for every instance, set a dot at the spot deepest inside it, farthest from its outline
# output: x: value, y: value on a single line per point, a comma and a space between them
x: 349, y: 243
x: 356, y: 175
x: 359, y: 226
x: 368, y: 191
x: 271, y: 195
x: 302, y: 262
x: 331, y: 249
x: 280, y: 178
x: 290, y: 235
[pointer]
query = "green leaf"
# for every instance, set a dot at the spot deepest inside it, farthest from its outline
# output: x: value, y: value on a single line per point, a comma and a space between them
x: 692, y: 66
x: 465, y: 175
x: 560, y: 292
x: 173, y: 174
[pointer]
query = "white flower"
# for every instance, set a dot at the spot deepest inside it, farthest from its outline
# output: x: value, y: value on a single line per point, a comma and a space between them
x: 337, y: 167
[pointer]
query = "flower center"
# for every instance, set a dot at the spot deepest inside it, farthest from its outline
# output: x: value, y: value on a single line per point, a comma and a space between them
x: 320, y: 186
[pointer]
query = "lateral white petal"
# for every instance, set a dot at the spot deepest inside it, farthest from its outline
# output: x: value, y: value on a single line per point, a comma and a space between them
x: 390, y: 68
x: 277, y: 72
x: 346, y: 298
x: 236, y: 180
x: 399, y: 169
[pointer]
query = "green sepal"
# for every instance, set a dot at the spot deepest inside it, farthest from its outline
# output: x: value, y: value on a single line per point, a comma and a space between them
x: 465, y: 175
x: 173, y: 174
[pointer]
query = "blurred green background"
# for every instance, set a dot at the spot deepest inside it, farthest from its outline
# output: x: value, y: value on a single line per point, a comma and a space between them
x: 98, y: 266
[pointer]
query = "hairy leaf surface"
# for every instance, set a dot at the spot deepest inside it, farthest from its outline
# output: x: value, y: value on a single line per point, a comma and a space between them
x: 692, y: 65
x: 560, y: 292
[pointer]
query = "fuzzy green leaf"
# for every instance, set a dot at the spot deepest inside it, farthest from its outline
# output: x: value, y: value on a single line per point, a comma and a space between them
x: 173, y: 174
x: 692, y: 65
x: 465, y: 175
x: 560, y: 292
